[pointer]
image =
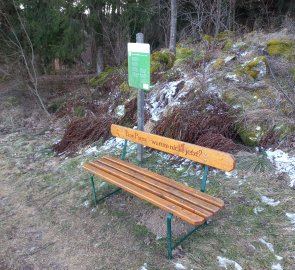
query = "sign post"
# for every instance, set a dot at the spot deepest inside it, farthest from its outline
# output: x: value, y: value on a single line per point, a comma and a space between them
x: 139, y: 77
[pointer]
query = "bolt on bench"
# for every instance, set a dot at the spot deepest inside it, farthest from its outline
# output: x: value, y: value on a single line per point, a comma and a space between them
x: 195, y: 207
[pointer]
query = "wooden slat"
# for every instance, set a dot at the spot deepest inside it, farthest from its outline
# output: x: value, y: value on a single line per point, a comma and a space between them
x: 149, y: 197
x: 154, y: 190
x: 203, y: 155
x: 173, y: 184
x: 187, y: 198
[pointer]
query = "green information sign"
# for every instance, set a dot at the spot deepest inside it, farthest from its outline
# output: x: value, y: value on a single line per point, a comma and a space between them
x: 139, y: 65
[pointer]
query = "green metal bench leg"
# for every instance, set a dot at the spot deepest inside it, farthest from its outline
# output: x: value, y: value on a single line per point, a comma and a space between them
x: 169, y: 235
x: 95, y: 200
x: 170, y: 245
x: 204, y: 179
x: 107, y: 195
x: 93, y: 189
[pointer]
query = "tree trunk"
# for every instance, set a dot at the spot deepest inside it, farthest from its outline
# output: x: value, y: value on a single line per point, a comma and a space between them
x: 173, y: 26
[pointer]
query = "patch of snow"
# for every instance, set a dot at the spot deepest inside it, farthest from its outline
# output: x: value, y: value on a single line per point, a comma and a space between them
x: 213, y: 89
x: 284, y: 163
x: 270, y: 248
x: 86, y: 203
x: 160, y: 99
x: 276, y: 267
x: 267, y: 244
x: 112, y: 143
x: 269, y: 201
x: 159, y: 237
x: 228, y: 174
x: 179, y: 266
x: 101, y: 184
x: 91, y: 151
x: 229, y: 58
x: 279, y: 258
x: 258, y: 210
x: 210, y: 108
x: 292, y: 218
x: 243, y: 54
x: 144, y: 267
x: 120, y: 110
x: 232, y: 77
x: 224, y: 262
x: 239, y: 44
x: 232, y: 174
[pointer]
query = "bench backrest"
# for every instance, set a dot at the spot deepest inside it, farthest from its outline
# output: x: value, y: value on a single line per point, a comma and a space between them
x: 203, y: 155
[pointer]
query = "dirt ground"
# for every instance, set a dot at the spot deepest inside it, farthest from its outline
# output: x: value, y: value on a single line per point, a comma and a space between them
x: 44, y: 224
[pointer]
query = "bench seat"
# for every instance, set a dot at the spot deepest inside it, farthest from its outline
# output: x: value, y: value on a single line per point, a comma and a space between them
x: 191, y: 205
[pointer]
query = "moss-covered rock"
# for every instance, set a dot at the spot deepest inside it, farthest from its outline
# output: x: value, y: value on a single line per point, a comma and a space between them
x: 251, y: 134
x: 162, y: 60
x: 281, y: 47
x: 255, y: 68
x: 102, y: 77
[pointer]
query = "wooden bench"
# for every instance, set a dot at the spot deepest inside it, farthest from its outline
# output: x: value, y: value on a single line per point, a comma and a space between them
x: 193, y: 206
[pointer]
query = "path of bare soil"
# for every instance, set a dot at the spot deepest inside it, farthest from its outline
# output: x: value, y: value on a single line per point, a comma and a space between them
x: 44, y: 224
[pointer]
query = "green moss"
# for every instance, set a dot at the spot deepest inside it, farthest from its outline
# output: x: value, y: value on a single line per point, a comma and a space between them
x: 101, y: 78
x: 250, y: 68
x: 184, y: 53
x: 79, y: 111
x: 250, y: 135
x: 281, y: 47
x: 124, y: 88
x: 172, y: 74
x: 218, y: 64
x: 222, y: 36
x: 227, y: 46
x: 208, y: 38
x: 162, y: 60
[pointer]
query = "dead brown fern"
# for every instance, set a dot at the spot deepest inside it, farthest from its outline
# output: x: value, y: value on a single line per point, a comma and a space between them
x: 84, y: 131
x: 206, y: 121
